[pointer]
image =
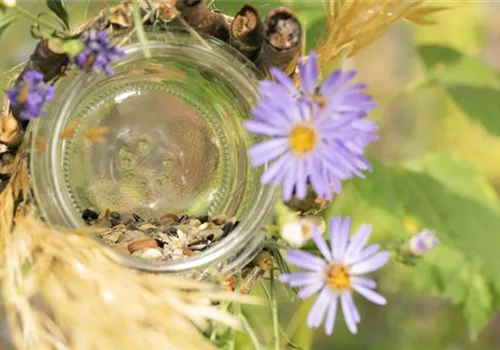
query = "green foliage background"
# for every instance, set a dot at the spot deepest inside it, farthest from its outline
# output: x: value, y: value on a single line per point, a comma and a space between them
x: 435, y: 166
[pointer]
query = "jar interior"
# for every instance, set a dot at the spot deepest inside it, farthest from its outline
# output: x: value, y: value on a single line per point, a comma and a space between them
x: 162, y: 136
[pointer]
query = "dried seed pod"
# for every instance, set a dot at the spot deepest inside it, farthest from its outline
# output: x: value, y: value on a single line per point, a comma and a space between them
x: 198, y: 16
x: 10, y: 133
x: 282, y: 41
x: 247, y: 33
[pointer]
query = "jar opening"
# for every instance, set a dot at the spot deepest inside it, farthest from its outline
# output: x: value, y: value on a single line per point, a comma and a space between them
x: 163, y: 135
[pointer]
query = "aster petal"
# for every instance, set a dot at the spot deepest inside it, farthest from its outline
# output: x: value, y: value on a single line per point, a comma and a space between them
x: 262, y: 128
x: 301, y: 182
x: 348, y: 314
x: 306, y: 292
x: 330, y: 81
x: 265, y: 151
x: 300, y: 279
x: 335, y: 225
x: 335, y: 81
x: 365, y: 253
x: 330, y: 315
x: 319, y: 308
x: 358, y: 241
x: 320, y: 242
x: 289, y: 181
x: 319, y: 184
x: 371, y: 295
x: 308, y: 73
x: 278, y: 170
x: 363, y: 282
x: 345, y: 230
x: 305, y: 260
x: 373, y: 263
x: 354, y: 310
x: 284, y: 80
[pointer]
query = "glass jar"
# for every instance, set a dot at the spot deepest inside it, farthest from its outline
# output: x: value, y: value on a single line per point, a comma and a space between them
x: 163, y: 134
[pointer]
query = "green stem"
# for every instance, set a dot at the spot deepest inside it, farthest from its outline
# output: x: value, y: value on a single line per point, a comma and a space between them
x: 141, y: 35
x: 274, y: 312
x: 25, y: 13
x: 251, y: 333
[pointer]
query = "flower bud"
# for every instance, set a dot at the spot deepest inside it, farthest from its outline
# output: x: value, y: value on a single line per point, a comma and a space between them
x: 298, y: 232
x: 423, y: 242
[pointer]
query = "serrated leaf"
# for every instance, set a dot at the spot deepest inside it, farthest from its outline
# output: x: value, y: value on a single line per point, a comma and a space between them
x: 5, y: 21
x: 57, y: 7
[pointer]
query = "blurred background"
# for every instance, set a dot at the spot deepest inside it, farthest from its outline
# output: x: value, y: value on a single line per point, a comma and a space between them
x: 415, y: 121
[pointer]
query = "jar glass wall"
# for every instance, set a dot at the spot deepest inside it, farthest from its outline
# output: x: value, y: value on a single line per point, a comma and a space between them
x: 163, y: 134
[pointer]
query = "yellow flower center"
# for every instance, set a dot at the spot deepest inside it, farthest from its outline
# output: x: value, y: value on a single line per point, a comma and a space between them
x: 337, y: 277
x: 302, y: 139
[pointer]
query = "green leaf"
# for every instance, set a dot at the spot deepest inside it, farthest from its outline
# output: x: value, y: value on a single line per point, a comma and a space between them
x: 445, y: 272
x: 471, y: 84
x: 57, y: 7
x: 5, y: 21
x: 451, y: 67
x: 481, y: 104
x: 478, y: 304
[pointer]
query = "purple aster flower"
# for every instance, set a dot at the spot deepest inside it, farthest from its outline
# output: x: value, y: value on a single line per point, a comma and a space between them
x: 98, y: 52
x: 308, y: 147
x: 30, y: 95
x: 319, y: 133
x: 422, y: 243
x: 337, y: 274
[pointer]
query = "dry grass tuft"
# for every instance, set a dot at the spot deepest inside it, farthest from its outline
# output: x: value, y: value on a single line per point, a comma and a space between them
x: 61, y: 291
x: 354, y: 24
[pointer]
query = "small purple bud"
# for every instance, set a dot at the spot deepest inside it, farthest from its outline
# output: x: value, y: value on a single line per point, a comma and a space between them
x: 422, y: 243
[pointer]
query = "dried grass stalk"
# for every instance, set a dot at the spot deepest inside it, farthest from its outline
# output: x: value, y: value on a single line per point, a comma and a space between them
x: 354, y: 24
x: 62, y: 292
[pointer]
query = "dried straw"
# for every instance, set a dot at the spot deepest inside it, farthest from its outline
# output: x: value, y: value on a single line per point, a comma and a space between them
x: 354, y: 24
x: 62, y: 292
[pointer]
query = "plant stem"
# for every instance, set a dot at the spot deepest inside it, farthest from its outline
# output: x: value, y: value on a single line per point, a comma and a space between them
x: 141, y: 35
x: 251, y: 333
x: 274, y: 312
x: 25, y: 13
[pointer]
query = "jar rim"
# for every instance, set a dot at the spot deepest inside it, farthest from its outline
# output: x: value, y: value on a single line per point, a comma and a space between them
x: 248, y: 234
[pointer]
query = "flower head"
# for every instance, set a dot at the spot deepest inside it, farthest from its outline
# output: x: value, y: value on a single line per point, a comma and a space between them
x: 319, y: 133
x: 422, y: 243
x: 309, y: 147
x: 98, y: 52
x: 337, y: 274
x: 30, y: 95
